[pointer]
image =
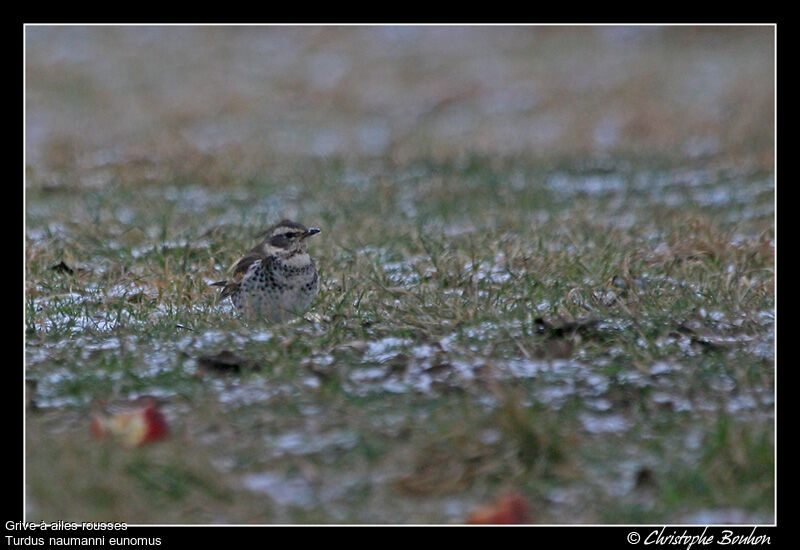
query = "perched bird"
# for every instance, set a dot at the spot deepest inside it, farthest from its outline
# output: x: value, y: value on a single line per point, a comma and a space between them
x: 277, y: 279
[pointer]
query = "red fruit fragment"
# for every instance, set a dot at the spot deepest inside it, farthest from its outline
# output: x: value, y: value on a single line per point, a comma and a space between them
x: 133, y: 428
x: 507, y: 509
x: 155, y: 423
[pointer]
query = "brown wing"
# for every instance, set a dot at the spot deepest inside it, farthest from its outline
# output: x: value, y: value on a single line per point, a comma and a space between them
x: 243, y: 264
x: 239, y: 269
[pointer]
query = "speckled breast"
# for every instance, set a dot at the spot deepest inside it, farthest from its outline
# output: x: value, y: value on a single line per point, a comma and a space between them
x: 275, y: 291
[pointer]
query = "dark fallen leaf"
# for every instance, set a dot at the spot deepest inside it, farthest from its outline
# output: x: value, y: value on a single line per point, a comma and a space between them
x: 226, y: 362
x: 61, y: 266
x: 708, y: 344
x: 645, y: 479
x: 559, y: 328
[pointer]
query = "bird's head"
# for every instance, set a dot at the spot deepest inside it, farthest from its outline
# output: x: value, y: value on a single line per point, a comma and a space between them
x: 287, y: 238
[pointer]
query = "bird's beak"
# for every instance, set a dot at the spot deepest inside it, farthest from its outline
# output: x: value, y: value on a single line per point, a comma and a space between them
x: 311, y: 231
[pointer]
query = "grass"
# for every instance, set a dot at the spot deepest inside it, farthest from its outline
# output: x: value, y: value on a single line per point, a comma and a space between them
x: 594, y: 330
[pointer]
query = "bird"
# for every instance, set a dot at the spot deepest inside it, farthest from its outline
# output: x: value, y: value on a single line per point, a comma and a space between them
x: 277, y: 279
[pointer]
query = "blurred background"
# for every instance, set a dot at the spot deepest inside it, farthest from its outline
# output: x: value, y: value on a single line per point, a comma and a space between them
x: 178, y: 96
